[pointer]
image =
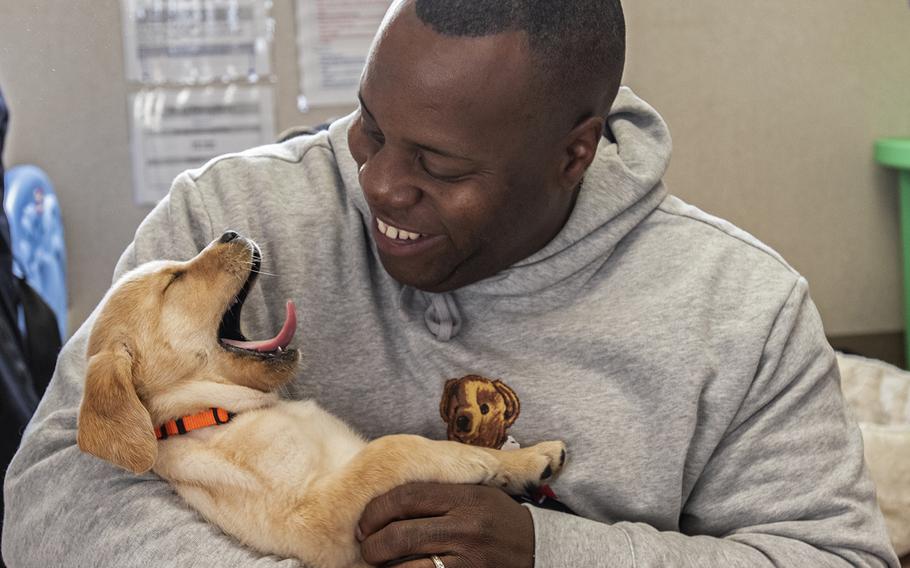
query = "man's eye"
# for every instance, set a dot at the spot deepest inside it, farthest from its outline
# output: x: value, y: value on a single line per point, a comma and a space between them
x: 439, y: 176
x: 374, y: 134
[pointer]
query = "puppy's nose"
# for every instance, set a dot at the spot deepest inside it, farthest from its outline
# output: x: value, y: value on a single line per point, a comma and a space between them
x: 229, y: 236
x: 463, y: 423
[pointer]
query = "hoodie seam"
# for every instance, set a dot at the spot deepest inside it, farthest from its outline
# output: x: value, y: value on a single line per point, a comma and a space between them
x: 261, y: 154
x: 194, y: 189
x: 625, y: 533
x: 726, y: 233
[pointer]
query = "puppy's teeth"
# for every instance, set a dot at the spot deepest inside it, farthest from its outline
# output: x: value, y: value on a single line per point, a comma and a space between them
x: 280, y: 350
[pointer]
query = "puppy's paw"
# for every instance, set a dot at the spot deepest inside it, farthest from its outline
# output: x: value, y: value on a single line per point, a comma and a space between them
x: 525, y: 469
x: 555, y: 455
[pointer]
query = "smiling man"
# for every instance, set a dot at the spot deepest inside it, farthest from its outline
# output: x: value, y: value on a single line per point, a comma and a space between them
x: 495, y: 208
x: 495, y: 178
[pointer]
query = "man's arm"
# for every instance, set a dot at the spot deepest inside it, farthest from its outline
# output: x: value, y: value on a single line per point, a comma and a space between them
x: 786, y: 487
x: 67, y: 508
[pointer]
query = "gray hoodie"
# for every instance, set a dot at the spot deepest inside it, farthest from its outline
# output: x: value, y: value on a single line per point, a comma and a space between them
x: 681, y: 360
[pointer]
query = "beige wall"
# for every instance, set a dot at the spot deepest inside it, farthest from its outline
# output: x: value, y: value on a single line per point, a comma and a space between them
x: 773, y: 105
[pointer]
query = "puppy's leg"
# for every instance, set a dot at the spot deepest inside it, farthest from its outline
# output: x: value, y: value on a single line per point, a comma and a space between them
x: 330, y: 510
x: 391, y: 461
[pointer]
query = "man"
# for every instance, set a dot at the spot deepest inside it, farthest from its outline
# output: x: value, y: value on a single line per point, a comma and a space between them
x: 480, y: 215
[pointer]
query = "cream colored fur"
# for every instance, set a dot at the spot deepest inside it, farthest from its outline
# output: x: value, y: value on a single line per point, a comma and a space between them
x: 283, y: 477
x: 879, y: 396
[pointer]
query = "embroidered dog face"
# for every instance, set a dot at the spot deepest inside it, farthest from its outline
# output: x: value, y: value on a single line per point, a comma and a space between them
x: 478, y: 411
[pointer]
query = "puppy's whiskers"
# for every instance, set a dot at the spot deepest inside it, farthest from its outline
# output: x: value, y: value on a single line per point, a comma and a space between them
x: 285, y: 392
x: 250, y: 264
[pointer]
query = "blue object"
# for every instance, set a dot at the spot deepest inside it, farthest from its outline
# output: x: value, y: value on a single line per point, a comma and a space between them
x: 36, y: 231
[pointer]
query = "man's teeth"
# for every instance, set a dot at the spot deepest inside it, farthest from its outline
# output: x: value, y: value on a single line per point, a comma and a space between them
x: 396, y: 233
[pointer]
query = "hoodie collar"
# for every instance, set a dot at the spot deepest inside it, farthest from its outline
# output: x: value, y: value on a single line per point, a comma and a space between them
x: 621, y: 188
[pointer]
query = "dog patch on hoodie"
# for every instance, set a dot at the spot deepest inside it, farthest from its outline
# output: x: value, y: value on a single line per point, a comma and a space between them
x: 478, y: 411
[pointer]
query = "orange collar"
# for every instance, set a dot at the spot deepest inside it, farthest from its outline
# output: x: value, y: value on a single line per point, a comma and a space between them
x: 211, y: 417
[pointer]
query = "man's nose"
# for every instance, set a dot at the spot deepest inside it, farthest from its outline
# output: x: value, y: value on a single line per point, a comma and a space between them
x: 387, y: 182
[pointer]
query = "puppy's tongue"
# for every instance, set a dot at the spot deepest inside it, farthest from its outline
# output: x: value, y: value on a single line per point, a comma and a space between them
x: 281, y: 340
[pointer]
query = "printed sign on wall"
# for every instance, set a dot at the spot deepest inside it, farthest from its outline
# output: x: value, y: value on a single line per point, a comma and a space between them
x: 196, y: 41
x: 333, y: 39
x: 179, y: 129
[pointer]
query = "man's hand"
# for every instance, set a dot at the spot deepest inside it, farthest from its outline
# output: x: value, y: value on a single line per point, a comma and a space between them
x: 467, y: 526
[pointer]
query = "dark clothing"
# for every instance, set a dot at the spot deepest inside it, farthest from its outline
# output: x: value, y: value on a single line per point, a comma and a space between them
x: 6, y: 256
x: 18, y: 398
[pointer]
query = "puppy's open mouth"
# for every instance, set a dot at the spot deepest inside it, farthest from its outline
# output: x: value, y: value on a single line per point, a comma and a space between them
x: 233, y: 340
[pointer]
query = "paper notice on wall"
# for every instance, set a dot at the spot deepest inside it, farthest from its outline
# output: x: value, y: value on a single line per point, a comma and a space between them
x: 178, y: 129
x: 333, y: 39
x: 196, y: 41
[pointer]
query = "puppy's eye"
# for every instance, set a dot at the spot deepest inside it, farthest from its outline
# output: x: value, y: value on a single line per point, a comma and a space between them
x: 484, y: 408
x: 175, y: 276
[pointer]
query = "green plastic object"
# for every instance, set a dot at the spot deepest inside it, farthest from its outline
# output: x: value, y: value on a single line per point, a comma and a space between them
x: 895, y: 153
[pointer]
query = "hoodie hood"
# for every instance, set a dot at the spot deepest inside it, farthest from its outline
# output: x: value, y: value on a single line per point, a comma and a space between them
x: 621, y: 188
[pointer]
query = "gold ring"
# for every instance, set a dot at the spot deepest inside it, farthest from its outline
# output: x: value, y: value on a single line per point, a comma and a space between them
x: 437, y: 561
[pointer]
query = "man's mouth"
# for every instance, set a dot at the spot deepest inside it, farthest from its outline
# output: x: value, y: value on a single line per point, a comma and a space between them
x: 398, y: 241
x: 395, y: 233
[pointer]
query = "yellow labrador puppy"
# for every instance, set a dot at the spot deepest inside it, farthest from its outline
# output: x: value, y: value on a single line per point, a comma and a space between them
x: 166, y: 358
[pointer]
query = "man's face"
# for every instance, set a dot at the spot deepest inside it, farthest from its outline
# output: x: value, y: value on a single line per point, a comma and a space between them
x: 460, y: 178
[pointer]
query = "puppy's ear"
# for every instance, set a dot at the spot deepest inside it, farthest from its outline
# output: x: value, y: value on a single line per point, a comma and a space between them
x: 113, y: 423
x: 445, y: 404
x: 513, y: 405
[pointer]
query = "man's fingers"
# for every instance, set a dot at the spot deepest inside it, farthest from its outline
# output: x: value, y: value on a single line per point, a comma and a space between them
x: 412, y: 501
x: 409, y: 539
x: 447, y: 561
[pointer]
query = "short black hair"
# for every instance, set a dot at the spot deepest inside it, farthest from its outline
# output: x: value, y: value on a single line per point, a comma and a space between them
x: 578, y: 44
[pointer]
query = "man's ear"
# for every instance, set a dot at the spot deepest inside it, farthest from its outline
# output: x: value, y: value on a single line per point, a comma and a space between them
x: 113, y: 423
x: 580, y: 148
x: 513, y: 405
